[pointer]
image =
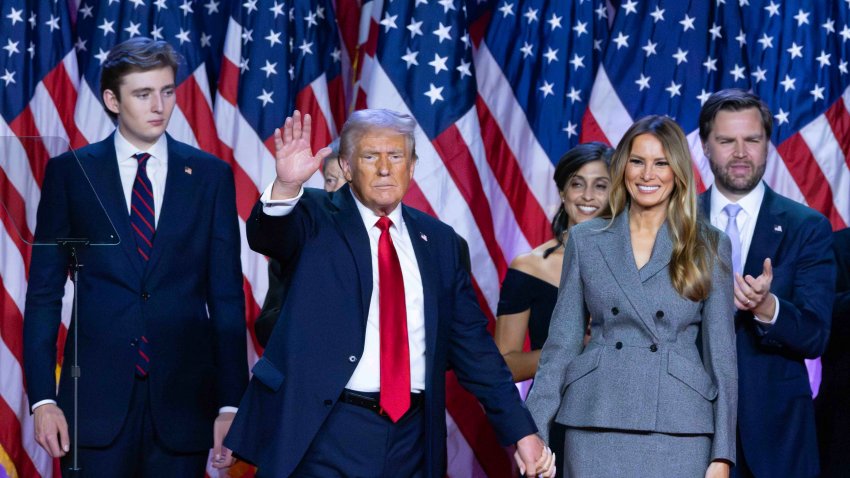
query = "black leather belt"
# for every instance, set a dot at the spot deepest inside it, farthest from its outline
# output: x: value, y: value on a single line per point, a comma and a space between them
x: 371, y: 400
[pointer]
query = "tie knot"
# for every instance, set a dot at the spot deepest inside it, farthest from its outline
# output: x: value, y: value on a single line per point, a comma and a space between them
x: 384, y: 224
x: 142, y: 158
x: 732, y: 210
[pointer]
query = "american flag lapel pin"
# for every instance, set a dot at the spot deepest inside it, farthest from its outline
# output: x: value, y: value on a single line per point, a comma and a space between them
x: 187, y: 170
x: 777, y: 228
x: 423, y: 236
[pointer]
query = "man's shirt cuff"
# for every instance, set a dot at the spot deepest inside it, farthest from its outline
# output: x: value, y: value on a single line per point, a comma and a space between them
x: 278, y: 207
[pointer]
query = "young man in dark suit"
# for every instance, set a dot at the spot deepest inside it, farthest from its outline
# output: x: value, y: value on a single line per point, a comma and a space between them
x: 352, y: 382
x: 784, y: 284
x: 162, y: 346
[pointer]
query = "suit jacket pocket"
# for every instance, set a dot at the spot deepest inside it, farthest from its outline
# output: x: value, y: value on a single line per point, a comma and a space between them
x: 268, y: 374
x: 582, y: 365
x: 692, y: 375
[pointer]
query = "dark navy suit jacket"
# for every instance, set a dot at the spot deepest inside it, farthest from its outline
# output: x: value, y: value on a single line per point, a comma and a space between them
x: 187, y: 300
x: 319, y: 338
x: 776, y: 422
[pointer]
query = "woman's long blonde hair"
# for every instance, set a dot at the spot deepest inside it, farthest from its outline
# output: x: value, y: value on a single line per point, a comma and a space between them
x: 694, y: 243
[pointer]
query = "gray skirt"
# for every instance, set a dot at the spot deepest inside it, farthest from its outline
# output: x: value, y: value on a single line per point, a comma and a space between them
x: 607, y: 453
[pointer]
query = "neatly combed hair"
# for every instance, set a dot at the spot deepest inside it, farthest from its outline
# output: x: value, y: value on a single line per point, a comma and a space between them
x: 568, y: 166
x: 362, y: 121
x: 694, y: 243
x: 732, y: 99
x: 131, y: 56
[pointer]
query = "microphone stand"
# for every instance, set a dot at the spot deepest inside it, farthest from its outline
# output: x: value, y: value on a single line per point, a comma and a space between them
x: 72, y: 245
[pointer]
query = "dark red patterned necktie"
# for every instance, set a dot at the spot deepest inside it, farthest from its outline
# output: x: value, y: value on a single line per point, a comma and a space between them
x: 395, y: 354
x: 143, y: 222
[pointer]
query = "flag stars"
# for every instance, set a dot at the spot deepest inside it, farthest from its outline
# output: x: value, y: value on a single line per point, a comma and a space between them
x: 531, y: 15
x: 845, y: 33
x: 447, y: 5
x: 703, y: 96
x: 601, y: 11
x: 574, y: 95
x: 415, y: 28
x: 507, y: 9
x: 311, y: 19
x: 183, y: 36
x: 675, y: 89
x: 829, y: 26
x: 759, y: 75
x: 243, y: 65
x: 160, y: 5
x: 306, y: 47
x: 212, y: 7
x: 247, y: 36
x: 107, y: 27
x: 101, y: 55
x: 782, y: 117
x: 336, y: 54
x: 31, y: 50
x: 817, y: 92
x: 410, y: 58
x: 570, y: 129
x: 630, y: 7
x: 580, y: 29
x: 551, y: 55
x: 796, y: 50
x: 688, y: 23
x: 206, y: 40
x: 802, y: 18
x: 643, y: 82
x: 186, y: 7
x: 710, y: 64
x: 464, y: 69
x: 823, y: 59
x: 788, y: 83
x: 741, y: 38
x: 270, y: 68
x: 621, y: 40
x: 439, y: 63
x: 16, y: 15
x: 266, y: 97
x: 273, y: 38
x: 715, y: 32
x: 577, y: 62
x: 277, y: 9
x: 649, y: 48
x: 250, y: 6
x: 547, y: 88
x: 680, y: 56
x: 772, y: 9
x: 133, y: 29
x: 11, y: 47
x: 80, y: 45
x: 766, y: 41
x: 555, y: 22
x: 53, y: 23
x: 8, y: 76
x: 658, y: 14
x: 842, y: 67
x: 389, y: 21
x: 442, y: 32
x: 737, y: 73
x: 434, y: 94
x: 156, y: 33
x: 85, y: 11
x: 32, y: 20
x: 527, y: 49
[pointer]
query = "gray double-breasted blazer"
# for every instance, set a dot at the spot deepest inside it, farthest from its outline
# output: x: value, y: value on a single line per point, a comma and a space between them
x: 656, y: 361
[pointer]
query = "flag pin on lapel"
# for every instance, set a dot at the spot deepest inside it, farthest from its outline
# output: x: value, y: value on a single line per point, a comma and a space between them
x: 777, y: 228
x: 423, y: 236
x: 187, y: 170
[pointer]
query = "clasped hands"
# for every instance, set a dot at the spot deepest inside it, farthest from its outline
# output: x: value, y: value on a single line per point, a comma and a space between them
x: 534, y: 458
x: 753, y: 293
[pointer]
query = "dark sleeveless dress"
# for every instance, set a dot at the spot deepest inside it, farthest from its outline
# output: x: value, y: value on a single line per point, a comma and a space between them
x: 521, y: 292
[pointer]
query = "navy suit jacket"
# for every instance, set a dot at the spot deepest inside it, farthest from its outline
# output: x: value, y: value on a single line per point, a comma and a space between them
x: 319, y: 338
x: 187, y: 300
x: 776, y: 422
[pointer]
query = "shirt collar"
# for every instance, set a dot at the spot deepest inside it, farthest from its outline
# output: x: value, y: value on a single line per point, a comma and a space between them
x: 751, y: 203
x: 370, y: 218
x: 124, y: 150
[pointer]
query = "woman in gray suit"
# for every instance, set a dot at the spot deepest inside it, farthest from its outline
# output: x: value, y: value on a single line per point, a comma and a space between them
x: 654, y: 392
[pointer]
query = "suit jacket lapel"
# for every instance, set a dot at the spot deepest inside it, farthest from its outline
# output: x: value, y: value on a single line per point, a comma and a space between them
x: 768, y: 234
x: 428, y: 273
x: 351, y: 227
x: 101, y: 166
x: 661, y: 252
x: 615, y: 246
x: 179, y: 190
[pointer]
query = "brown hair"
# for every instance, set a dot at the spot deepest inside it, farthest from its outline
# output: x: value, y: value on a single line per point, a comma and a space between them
x: 732, y: 99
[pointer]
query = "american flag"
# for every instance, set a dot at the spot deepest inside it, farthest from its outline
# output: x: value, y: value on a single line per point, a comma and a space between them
x: 501, y: 88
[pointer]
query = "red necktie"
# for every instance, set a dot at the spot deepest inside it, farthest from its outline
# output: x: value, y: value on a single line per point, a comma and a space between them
x: 395, y: 355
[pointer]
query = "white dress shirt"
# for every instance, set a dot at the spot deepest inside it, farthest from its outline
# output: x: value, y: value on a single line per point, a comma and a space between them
x: 746, y: 221
x: 367, y: 374
x: 157, y: 169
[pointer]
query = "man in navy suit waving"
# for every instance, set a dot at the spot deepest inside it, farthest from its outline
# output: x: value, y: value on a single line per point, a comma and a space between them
x: 161, y: 315
x: 352, y: 382
x: 784, y: 287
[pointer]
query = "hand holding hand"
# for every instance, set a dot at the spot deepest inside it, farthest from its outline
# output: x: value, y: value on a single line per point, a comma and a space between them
x: 294, y: 160
x: 534, y: 458
x: 222, y: 456
x: 51, y: 430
